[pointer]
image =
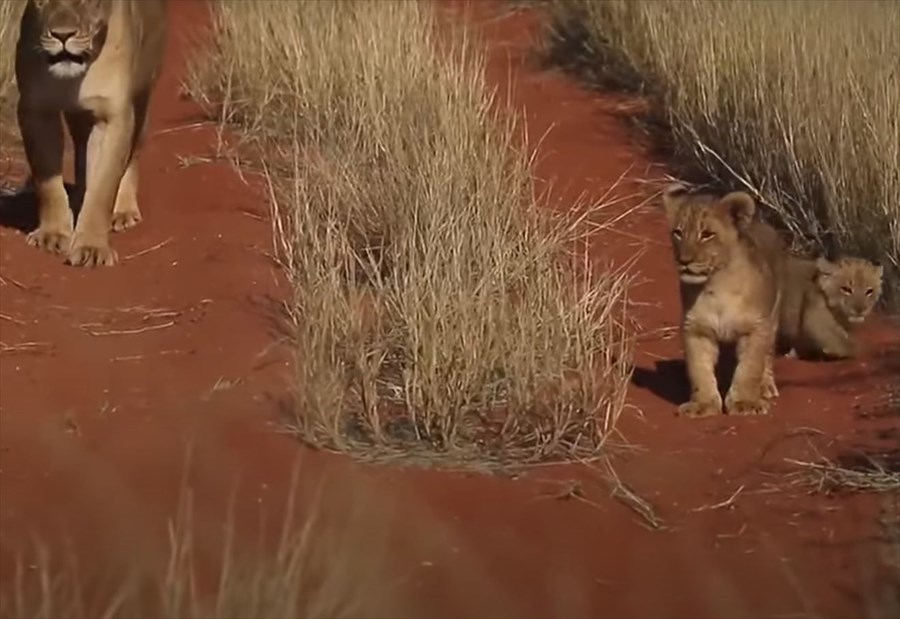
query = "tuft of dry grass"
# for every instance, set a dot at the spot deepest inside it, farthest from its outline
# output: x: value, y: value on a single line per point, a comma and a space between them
x: 795, y: 102
x: 9, y: 32
x: 438, y: 312
x: 9, y: 27
x: 329, y: 561
x: 10, y: 12
x: 828, y: 476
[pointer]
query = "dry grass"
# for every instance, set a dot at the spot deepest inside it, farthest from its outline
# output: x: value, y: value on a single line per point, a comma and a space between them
x: 794, y: 101
x: 9, y: 31
x: 10, y: 143
x: 437, y: 310
x: 866, y: 476
x: 9, y: 27
x: 331, y: 561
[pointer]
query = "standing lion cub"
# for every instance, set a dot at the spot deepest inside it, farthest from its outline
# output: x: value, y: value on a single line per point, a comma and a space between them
x: 95, y: 62
x: 731, y: 267
x: 824, y: 301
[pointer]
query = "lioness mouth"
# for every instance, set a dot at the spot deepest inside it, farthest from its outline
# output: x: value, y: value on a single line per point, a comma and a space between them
x: 66, y: 56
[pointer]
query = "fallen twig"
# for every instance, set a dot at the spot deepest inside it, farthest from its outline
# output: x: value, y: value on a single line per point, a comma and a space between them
x: 164, y: 325
x: 722, y: 504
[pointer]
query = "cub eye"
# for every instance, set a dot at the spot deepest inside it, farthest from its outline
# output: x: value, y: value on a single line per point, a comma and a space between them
x: 706, y: 235
x: 870, y: 292
x: 677, y: 233
x: 846, y: 290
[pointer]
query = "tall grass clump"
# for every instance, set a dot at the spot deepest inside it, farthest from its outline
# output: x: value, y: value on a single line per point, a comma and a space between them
x: 329, y: 561
x: 10, y: 11
x: 795, y: 101
x: 9, y: 31
x: 437, y: 311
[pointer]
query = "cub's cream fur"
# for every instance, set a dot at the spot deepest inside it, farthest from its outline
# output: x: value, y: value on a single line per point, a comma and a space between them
x: 731, y: 267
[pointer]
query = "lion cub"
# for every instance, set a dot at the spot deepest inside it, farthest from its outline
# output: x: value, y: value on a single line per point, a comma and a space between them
x: 824, y: 301
x: 731, y: 267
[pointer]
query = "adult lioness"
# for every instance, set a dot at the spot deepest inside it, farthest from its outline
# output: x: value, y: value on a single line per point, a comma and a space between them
x: 731, y: 267
x: 824, y: 301
x: 95, y: 62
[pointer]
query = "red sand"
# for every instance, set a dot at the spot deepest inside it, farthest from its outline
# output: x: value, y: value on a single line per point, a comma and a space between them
x: 95, y: 423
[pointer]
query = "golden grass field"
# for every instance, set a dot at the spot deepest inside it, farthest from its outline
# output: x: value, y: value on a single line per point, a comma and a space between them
x: 794, y: 101
x: 9, y: 31
x: 437, y: 309
x: 9, y: 26
x: 326, y: 557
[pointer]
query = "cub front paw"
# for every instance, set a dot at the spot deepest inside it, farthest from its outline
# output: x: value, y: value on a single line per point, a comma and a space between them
x: 747, y: 406
x: 769, y: 388
x: 700, y: 408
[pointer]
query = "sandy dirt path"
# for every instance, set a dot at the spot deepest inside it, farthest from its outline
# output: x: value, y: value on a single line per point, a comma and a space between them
x: 108, y: 376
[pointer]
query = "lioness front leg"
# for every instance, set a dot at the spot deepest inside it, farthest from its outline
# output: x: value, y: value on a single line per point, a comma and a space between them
x: 42, y: 136
x: 701, y: 353
x: 126, y: 213
x: 109, y: 150
x: 88, y: 142
x: 746, y: 395
x: 769, y: 387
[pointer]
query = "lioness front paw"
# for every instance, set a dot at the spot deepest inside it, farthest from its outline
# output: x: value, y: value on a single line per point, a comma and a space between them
x: 746, y: 406
x: 91, y: 254
x: 702, y: 408
x: 125, y: 219
x: 55, y: 240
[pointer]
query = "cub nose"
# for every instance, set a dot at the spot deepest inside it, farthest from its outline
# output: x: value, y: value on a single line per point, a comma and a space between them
x: 62, y: 34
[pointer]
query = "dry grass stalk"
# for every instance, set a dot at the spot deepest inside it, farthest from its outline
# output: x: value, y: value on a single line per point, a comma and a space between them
x: 328, y: 562
x: 794, y: 102
x: 828, y: 476
x: 9, y: 27
x: 10, y: 11
x: 437, y: 311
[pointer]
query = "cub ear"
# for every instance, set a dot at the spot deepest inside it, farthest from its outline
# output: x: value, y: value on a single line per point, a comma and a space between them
x: 740, y: 207
x: 879, y: 268
x: 673, y: 198
x: 825, y: 266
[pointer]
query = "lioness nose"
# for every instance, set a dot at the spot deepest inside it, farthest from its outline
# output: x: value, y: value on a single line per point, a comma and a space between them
x: 62, y: 34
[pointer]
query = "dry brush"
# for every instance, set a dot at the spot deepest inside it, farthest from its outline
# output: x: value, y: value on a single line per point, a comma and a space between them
x: 793, y: 101
x: 437, y: 309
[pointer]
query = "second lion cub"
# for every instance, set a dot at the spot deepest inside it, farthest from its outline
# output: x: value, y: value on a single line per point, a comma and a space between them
x: 731, y: 267
x: 824, y: 301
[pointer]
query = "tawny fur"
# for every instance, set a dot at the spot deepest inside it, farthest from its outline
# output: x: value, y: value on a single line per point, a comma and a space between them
x: 823, y: 302
x: 95, y: 62
x: 731, y: 268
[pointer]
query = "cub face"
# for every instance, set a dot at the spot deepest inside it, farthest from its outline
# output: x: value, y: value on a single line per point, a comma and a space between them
x: 705, y: 230
x: 851, y: 286
x: 69, y: 33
